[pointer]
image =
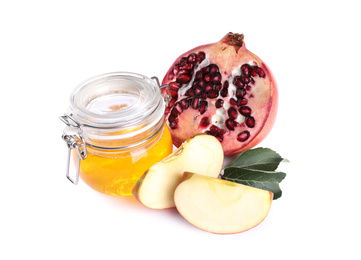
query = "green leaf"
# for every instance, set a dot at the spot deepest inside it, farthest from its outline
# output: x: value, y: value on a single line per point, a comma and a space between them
x: 256, y: 168
x: 259, y: 158
x: 266, y: 180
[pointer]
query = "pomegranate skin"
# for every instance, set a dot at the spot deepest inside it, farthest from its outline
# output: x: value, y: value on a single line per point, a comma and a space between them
x: 224, y: 90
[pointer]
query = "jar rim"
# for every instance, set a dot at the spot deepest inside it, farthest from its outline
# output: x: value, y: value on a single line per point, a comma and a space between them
x: 117, y: 100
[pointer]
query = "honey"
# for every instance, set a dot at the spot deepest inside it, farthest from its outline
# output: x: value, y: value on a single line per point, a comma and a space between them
x: 116, y: 172
x: 116, y: 131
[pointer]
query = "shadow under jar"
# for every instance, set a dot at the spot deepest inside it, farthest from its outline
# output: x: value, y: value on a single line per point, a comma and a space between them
x: 116, y: 130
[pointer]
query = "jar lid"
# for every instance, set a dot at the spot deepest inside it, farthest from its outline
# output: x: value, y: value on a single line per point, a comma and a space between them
x: 118, y: 100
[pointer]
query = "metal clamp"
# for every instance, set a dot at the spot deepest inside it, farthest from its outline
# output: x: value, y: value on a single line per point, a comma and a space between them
x: 166, y: 97
x: 73, y: 137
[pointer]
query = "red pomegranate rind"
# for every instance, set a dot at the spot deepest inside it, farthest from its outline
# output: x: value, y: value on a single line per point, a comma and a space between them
x: 224, y: 90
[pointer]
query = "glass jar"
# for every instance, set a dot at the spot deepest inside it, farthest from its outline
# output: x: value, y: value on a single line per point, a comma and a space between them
x: 116, y: 130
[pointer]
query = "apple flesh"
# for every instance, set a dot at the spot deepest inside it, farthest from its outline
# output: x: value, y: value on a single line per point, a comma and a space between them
x: 220, y: 206
x: 201, y: 154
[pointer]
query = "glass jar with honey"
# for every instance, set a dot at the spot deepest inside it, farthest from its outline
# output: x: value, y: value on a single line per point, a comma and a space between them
x: 115, y: 130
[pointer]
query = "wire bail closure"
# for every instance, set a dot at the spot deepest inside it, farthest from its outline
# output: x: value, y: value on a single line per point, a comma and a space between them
x: 73, y: 137
x: 166, y: 97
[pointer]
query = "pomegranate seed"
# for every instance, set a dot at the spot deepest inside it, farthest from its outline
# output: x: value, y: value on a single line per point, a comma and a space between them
x: 201, y: 56
x: 214, y: 129
x: 186, y: 66
x: 216, y: 77
x: 232, y: 101
x: 174, y: 112
x: 226, y: 84
x: 185, y: 103
x: 243, y: 136
x: 246, y: 69
x: 184, y: 78
x: 230, y: 124
x: 245, y: 80
x: 178, y: 107
x: 260, y: 72
x: 208, y: 88
x: 173, y: 125
x: 213, y: 68
x: 195, y: 103
x: 242, y: 102
x: 173, y: 92
x: 224, y: 92
x: 205, y: 121
x: 212, y: 94
x: 240, y: 92
x: 238, y: 83
x: 207, y: 78
x: 192, y: 57
x: 219, y: 103
x: 172, y: 102
x: 217, y: 86
x: 232, y: 113
x: 203, y: 106
x: 199, y: 75
x: 198, y: 91
x: 170, y: 76
x: 250, y: 122
x: 189, y: 93
x: 175, y: 69
x: 172, y: 118
x: 174, y: 85
x: 254, y: 71
x: 245, y: 110
x: 182, y: 61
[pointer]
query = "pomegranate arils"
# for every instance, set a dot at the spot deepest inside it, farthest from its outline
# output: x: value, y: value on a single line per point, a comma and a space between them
x: 174, y: 85
x: 213, y: 68
x: 219, y: 103
x: 201, y: 56
x: 232, y: 101
x: 214, y: 129
x: 246, y: 69
x: 250, y: 122
x: 192, y: 57
x: 240, y: 92
x: 183, y: 78
x: 243, y: 136
x: 260, y: 72
x: 242, y: 102
x: 185, y: 103
x: 232, y: 113
x: 216, y: 92
x: 245, y: 110
x: 230, y: 124
x: 203, y: 106
x: 195, y: 103
x: 199, y: 75
x: 216, y: 77
x: 205, y: 121
x: 212, y: 94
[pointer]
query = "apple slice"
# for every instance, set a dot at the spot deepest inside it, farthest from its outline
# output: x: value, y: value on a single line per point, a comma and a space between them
x: 220, y: 206
x: 202, y: 154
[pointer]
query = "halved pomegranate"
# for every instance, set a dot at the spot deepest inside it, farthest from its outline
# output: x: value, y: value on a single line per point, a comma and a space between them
x: 224, y: 90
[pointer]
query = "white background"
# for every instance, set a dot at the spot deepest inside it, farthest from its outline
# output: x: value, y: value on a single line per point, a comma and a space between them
x: 47, y: 48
